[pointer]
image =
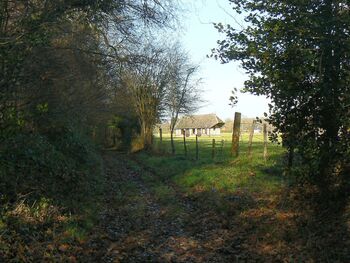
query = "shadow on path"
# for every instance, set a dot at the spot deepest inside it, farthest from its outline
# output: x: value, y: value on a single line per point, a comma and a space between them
x: 147, y: 222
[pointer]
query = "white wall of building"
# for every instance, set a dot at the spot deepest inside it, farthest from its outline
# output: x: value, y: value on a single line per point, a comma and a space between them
x: 199, y: 131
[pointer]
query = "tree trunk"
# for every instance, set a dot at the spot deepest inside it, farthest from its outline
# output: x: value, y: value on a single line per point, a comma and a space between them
x: 250, y: 143
x: 160, y: 135
x: 235, y: 134
x: 172, y: 141
x: 148, y: 139
x: 146, y: 135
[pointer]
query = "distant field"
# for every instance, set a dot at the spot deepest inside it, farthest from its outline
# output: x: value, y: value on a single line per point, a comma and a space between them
x: 224, y: 173
x: 222, y: 146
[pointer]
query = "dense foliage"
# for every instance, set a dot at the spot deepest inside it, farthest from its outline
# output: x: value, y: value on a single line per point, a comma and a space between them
x: 58, y: 62
x: 61, y: 101
x: 297, y: 53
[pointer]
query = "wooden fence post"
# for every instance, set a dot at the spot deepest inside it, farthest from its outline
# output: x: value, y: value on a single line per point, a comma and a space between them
x: 185, y: 148
x: 196, y: 147
x: 251, y: 134
x: 235, y: 134
x: 213, y: 149
x: 265, y: 141
x: 160, y: 135
x: 222, y: 148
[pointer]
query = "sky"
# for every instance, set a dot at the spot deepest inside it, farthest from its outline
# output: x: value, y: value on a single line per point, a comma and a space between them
x: 198, y: 38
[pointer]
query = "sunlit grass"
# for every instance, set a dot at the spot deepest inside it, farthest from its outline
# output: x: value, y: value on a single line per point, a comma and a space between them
x: 221, y: 173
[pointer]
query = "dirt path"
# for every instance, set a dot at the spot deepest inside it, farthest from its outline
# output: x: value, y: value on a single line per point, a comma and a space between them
x: 136, y: 226
x: 150, y: 217
x: 147, y: 219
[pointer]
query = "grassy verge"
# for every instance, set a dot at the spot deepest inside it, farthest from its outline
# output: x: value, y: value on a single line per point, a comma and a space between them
x: 222, y: 173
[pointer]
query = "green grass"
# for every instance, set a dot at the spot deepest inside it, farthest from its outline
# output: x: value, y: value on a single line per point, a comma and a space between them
x: 243, y: 190
x: 222, y: 173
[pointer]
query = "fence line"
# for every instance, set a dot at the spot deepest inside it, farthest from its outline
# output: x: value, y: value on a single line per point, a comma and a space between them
x: 217, y: 148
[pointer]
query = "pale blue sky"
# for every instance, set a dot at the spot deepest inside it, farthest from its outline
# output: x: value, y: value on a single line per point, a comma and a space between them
x: 198, y: 38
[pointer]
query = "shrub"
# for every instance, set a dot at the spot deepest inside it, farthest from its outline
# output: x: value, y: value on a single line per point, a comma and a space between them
x: 65, y: 169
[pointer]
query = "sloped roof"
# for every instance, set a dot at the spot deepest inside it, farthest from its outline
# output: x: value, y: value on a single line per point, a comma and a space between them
x: 199, y: 121
x: 164, y: 126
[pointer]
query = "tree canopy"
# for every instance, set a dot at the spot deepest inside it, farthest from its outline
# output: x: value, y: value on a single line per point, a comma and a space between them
x: 60, y: 76
x: 297, y: 53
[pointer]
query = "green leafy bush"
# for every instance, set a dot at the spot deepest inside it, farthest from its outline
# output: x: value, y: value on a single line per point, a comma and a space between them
x: 64, y: 169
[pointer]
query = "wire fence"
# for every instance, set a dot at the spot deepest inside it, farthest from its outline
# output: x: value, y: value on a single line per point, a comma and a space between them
x: 252, y: 142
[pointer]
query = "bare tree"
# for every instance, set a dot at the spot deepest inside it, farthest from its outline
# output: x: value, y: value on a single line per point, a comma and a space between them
x: 147, y: 79
x: 89, y: 32
x: 183, y: 94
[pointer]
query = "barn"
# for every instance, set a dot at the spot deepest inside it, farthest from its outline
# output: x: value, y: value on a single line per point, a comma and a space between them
x: 205, y: 124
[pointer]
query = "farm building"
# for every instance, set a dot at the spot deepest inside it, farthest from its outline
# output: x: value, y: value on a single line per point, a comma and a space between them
x: 206, y: 124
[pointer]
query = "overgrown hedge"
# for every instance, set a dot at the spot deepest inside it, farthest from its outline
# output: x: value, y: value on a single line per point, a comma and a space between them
x: 64, y: 167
